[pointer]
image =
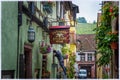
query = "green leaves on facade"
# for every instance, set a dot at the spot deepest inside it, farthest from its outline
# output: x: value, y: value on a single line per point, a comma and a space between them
x: 104, y: 35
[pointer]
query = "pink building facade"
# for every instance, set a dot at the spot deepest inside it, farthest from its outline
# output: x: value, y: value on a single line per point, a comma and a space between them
x: 85, y: 55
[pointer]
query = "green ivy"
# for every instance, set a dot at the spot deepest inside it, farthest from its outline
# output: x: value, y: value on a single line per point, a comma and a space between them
x: 65, y: 49
x: 103, y: 43
x: 70, y: 65
x: 70, y: 69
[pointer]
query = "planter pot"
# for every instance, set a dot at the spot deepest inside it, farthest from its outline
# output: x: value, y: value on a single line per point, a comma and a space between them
x: 114, y: 45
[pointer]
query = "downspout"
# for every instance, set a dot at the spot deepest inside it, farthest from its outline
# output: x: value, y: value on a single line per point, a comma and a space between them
x: 19, y: 24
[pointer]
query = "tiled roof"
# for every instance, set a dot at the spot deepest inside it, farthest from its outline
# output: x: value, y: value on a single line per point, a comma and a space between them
x: 88, y: 42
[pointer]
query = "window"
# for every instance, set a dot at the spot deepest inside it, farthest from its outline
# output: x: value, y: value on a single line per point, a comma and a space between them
x: 82, y: 57
x: 89, y: 57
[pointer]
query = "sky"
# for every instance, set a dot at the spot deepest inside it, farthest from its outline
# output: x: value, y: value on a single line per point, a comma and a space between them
x: 88, y: 9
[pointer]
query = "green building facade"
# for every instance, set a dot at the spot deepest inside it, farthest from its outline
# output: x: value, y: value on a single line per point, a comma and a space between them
x: 17, y: 51
x: 22, y: 58
x: 9, y: 25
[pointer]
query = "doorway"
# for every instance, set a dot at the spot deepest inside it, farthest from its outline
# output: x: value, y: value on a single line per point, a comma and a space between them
x: 28, y: 61
x: 88, y: 68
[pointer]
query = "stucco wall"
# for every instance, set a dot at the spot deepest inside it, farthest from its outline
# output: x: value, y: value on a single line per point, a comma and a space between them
x: 10, y: 35
x: 36, y: 56
x: 9, y: 30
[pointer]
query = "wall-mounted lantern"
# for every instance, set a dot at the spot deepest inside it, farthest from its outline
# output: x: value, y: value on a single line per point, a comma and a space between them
x: 31, y: 34
x: 31, y: 31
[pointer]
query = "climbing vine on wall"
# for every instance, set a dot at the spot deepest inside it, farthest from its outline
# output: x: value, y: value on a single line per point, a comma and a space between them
x: 109, y: 12
x: 70, y: 65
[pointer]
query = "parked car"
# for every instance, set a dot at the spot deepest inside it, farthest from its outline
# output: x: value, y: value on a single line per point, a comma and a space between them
x: 82, y: 74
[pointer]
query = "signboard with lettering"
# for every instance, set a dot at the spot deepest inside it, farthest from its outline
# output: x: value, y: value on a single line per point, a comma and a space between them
x: 59, y: 35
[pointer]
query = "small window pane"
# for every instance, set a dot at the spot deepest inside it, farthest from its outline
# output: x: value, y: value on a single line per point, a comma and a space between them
x: 82, y: 57
x: 89, y: 57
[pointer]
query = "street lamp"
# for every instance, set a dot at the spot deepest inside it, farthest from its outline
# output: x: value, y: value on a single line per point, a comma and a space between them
x: 31, y: 34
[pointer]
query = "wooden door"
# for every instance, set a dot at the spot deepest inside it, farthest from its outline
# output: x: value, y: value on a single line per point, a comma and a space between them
x: 28, y: 61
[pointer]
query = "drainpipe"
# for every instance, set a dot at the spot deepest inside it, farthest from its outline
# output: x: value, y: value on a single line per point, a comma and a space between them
x: 19, y: 24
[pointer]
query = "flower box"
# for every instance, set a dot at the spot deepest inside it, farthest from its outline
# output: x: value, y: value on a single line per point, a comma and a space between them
x: 114, y: 45
x: 112, y: 36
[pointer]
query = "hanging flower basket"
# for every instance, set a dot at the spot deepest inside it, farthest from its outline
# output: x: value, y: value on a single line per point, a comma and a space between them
x: 114, y: 45
x: 44, y: 48
x: 112, y: 39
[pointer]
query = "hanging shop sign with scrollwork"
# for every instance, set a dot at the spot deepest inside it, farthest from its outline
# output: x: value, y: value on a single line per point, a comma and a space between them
x: 59, y: 34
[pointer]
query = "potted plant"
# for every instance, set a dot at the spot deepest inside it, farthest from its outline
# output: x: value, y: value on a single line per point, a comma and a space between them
x: 45, y: 48
x: 113, y: 39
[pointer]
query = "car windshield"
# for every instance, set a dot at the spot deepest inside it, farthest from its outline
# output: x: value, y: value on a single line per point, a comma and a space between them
x: 82, y: 72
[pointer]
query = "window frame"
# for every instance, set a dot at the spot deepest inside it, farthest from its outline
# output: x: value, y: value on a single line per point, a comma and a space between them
x: 82, y: 57
x: 89, y: 57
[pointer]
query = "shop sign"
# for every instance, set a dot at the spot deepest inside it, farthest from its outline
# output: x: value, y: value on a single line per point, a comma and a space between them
x: 59, y: 36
